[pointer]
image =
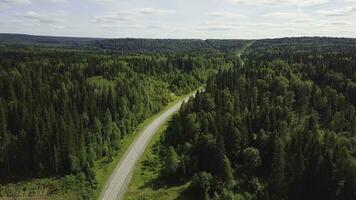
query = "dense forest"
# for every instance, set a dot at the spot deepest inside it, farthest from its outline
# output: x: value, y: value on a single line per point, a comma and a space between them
x: 61, y: 111
x: 280, y: 125
x: 123, y: 46
x: 276, y: 119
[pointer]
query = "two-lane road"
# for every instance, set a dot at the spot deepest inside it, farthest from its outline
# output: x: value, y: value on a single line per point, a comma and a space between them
x: 116, y: 186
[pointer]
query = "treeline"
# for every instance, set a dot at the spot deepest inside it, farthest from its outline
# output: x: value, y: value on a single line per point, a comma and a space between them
x: 61, y: 111
x: 312, y: 45
x: 152, y: 45
x: 228, y: 45
x: 124, y: 45
x: 44, y: 40
x: 283, y: 126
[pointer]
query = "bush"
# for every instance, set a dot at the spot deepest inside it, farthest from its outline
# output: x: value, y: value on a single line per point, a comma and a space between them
x: 202, y: 183
x: 251, y: 159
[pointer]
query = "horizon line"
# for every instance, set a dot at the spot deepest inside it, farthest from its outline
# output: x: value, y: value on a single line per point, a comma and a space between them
x: 153, y: 38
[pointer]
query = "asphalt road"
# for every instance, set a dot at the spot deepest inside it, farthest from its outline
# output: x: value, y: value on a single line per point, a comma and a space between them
x: 117, y: 184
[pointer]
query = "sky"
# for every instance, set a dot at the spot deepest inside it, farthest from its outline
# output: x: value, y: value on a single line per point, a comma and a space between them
x: 218, y: 19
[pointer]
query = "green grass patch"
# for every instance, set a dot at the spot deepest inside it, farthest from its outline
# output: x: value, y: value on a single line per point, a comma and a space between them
x: 145, y: 183
x: 99, y: 81
x: 65, y: 188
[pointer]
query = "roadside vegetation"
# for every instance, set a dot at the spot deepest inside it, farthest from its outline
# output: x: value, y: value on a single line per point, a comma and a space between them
x: 67, y: 114
x: 277, y: 124
x: 145, y: 182
x: 281, y: 126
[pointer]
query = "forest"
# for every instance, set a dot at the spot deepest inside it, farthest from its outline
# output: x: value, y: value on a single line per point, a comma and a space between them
x: 61, y: 111
x: 276, y: 119
x: 279, y: 125
x: 123, y: 46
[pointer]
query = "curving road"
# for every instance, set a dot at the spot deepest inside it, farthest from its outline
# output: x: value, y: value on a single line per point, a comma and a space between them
x: 116, y: 185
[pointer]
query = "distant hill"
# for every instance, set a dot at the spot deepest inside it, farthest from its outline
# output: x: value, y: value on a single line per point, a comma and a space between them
x: 131, y: 45
x: 228, y: 45
x: 125, y: 45
x: 153, y: 45
x: 305, y: 44
x: 43, y: 40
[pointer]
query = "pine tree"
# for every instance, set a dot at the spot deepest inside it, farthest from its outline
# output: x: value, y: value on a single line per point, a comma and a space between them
x: 4, y: 140
x: 277, y: 177
x: 108, y: 126
x: 172, y: 162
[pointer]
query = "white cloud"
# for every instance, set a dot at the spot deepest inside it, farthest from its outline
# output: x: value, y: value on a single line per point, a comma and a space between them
x: 132, y: 15
x: 8, y: 3
x: 218, y: 25
x: 156, y: 26
x: 113, y: 18
x: 280, y: 2
x: 339, y: 23
x: 54, y: 19
x: 219, y: 28
x: 58, y: 1
x: 152, y: 11
x: 295, y: 15
x: 180, y: 18
x: 298, y: 15
x: 16, y: 1
x: 221, y: 21
x: 11, y: 3
x: 281, y: 14
x: 103, y: 1
x: 225, y: 15
x: 351, y: 10
x: 122, y: 26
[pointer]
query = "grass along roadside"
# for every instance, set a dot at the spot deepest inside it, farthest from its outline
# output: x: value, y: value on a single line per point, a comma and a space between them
x: 103, y: 172
x: 68, y: 187
x: 145, y: 182
x: 71, y: 187
x: 147, y: 171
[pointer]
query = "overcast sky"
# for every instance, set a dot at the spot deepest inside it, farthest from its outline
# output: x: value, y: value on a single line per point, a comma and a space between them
x: 249, y: 19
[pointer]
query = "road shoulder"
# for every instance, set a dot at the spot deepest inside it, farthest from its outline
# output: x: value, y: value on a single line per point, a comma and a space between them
x: 105, y: 175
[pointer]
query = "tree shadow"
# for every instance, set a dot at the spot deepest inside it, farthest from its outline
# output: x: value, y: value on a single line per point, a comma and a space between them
x: 187, y: 194
x: 159, y: 183
x: 163, y: 183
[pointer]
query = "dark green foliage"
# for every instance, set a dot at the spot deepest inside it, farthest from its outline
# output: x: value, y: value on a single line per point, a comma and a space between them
x: 251, y: 159
x: 228, y: 45
x: 43, y: 40
x: 61, y: 111
x: 282, y: 125
x: 202, y: 183
x: 152, y: 45
x: 124, y: 46
x: 172, y: 162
